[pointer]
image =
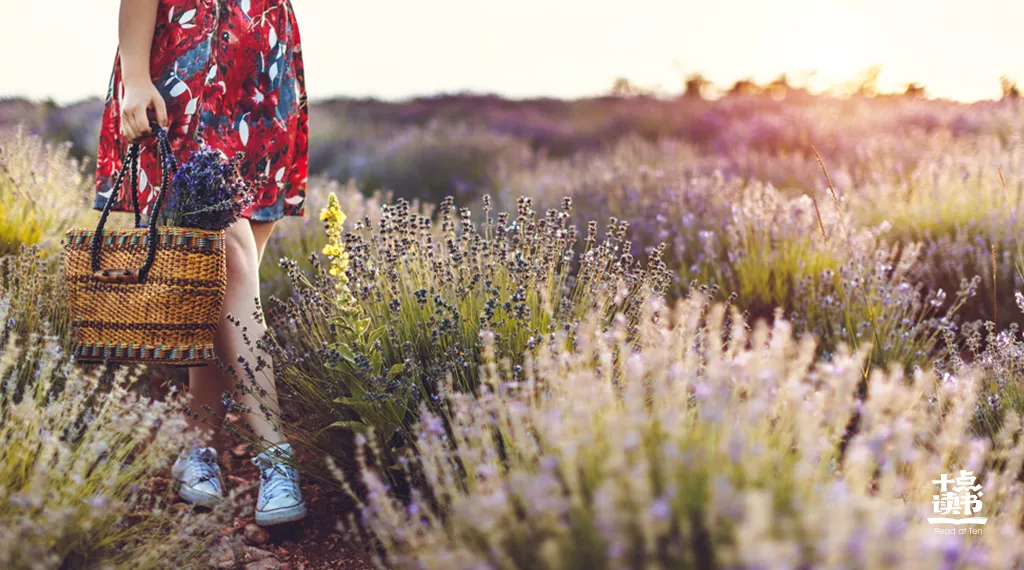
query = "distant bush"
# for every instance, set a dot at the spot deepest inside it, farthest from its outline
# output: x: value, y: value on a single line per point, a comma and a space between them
x: 42, y: 192
x: 763, y: 247
x: 434, y: 162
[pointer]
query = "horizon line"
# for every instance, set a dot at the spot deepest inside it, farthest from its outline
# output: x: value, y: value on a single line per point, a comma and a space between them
x: 825, y: 94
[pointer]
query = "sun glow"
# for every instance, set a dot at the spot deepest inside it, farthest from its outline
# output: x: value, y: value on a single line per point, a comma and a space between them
x: 819, y: 44
x: 571, y: 48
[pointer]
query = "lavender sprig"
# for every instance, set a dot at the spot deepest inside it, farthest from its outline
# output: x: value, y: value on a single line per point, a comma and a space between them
x: 209, y: 192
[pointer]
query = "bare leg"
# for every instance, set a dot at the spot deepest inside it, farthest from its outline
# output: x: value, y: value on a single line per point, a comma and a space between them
x: 245, y: 243
x: 261, y: 233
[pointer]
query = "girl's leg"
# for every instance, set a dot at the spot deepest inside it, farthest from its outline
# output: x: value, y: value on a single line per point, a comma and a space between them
x: 244, y: 242
x: 261, y: 233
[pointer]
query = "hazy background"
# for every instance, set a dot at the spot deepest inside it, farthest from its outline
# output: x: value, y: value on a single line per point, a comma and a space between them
x: 564, y: 48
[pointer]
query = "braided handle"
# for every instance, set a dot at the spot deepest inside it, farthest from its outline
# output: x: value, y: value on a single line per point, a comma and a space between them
x: 167, y: 166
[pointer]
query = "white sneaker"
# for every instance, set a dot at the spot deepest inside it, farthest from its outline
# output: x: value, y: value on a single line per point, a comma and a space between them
x: 280, y: 499
x: 198, y: 476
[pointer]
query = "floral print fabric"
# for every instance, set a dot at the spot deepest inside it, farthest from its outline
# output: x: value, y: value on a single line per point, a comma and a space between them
x: 231, y: 74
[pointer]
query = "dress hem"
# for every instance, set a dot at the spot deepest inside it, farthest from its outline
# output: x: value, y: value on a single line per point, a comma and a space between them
x: 254, y: 217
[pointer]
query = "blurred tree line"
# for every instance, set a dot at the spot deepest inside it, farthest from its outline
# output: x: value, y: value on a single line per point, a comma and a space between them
x: 864, y: 84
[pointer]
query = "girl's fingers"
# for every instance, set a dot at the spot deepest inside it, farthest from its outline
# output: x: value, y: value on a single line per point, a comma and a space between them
x: 126, y: 127
x: 161, y: 111
x: 131, y: 120
x: 142, y: 122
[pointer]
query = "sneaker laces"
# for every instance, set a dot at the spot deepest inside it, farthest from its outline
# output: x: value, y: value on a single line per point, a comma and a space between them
x: 203, y: 467
x: 277, y: 478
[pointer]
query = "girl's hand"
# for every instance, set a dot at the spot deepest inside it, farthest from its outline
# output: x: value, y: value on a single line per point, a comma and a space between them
x: 138, y: 98
x: 135, y: 28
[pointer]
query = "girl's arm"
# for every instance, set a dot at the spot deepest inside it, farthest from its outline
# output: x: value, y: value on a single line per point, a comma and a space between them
x: 135, y: 28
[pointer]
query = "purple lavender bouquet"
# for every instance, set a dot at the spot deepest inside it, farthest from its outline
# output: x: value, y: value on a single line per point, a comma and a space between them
x: 208, y: 192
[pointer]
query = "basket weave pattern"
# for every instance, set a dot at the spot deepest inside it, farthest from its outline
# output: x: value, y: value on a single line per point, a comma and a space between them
x: 168, y: 318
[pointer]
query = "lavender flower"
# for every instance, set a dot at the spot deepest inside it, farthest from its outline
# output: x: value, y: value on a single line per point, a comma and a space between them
x: 209, y: 192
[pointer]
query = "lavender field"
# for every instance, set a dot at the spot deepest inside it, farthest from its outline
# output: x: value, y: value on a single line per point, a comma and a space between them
x: 622, y: 332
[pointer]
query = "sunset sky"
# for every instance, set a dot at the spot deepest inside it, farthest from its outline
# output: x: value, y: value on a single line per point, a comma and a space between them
x: 400, y: 48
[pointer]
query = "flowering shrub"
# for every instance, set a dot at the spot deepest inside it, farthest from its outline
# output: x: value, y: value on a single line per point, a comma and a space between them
x: 80, y: 451
x: 962, y: 207
x: 702, y: 444
x: 42, y: 192
x: 765, y: 248
x: 297, y: 239
x: 999, y: 353
x: 400, y: 306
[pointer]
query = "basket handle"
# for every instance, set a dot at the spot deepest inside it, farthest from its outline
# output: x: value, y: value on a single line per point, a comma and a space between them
x: 167, y: 165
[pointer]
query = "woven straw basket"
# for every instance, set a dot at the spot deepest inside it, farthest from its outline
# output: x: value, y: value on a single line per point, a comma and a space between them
x: 145, y: 295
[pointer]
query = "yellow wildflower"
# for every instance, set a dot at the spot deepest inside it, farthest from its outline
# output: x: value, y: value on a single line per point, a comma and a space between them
x: 332, y: 212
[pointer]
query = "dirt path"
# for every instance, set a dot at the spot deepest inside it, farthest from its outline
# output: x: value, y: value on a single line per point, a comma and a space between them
x: 311, y: 544
x: 315, y: 543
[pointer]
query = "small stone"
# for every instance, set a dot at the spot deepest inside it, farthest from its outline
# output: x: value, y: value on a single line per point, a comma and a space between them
x: 238, y: 481
x: 156, y: 484
x: 222, y: 558
x: 179, y: 508
x: 265, y: 564
x: 256, y: 534
x: 253, y: 554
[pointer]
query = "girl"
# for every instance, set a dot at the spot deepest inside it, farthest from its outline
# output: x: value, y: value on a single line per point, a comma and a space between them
x: 228, y: 73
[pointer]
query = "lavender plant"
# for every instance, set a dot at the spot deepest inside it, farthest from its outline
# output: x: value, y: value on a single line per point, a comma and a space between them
x: 999, y: 355
x: 962, y: 206
x: 766, y: 248
x: 297, y: 239
x: 401, y: 305
x: 43, y: 191
x: 81, y: 453
x: 707, y: 444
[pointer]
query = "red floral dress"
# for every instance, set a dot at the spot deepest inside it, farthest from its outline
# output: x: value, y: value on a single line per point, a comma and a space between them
x: 231, y: 74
